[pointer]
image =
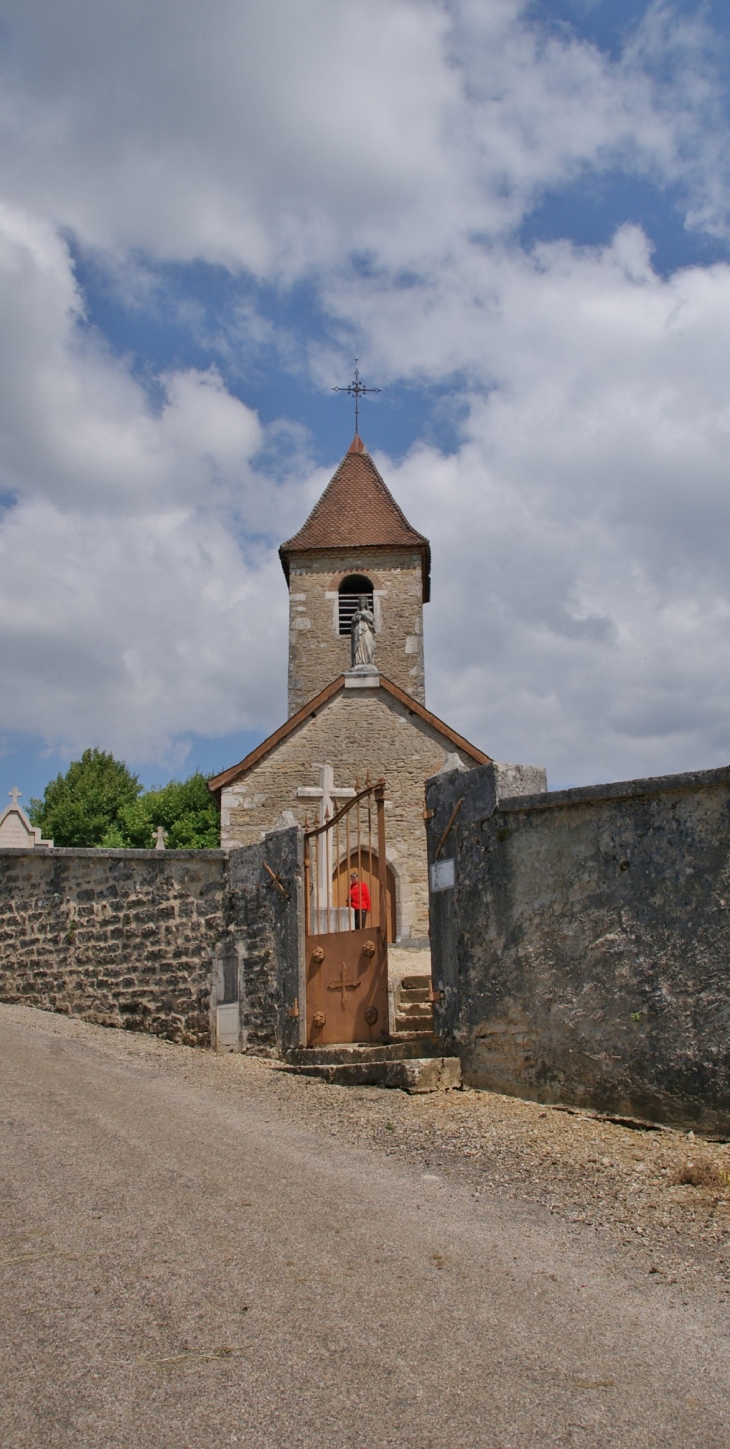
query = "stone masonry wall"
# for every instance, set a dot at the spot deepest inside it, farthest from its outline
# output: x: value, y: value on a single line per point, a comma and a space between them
x: 154, y: 941
x: 317, y: 653
x: 266, y: 927
x: 357, y: 730
x: 584, y: 949
x: 123, y: 938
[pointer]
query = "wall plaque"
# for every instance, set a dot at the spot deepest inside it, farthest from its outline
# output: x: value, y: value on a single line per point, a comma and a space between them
x: 443, y: 875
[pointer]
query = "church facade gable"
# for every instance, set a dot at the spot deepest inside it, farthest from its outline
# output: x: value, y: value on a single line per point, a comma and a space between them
x: 351, y: 732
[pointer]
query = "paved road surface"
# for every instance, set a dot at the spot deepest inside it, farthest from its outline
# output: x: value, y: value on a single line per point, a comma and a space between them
x: 182, y: 1268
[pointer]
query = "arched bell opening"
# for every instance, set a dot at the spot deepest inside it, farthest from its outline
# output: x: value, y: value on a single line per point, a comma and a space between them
x: 365, y: 862
x: 351, y: 591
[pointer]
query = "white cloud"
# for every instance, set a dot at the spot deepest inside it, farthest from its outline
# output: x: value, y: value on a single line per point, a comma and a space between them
x: 280, y: 137
x: 581, y: 584
x: 581, y: 592
x: 231, y: 132
x: 132, y: 633
x: 131, y: 611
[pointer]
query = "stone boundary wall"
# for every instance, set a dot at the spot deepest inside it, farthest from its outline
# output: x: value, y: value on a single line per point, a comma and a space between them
x: 266, y: 935
x: 154, y: 940
x: 583, y: 951
x: 120, y: 937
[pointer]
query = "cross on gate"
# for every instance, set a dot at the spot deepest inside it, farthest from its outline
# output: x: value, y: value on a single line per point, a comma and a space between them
x: 343, y: 986
x: 15, y: 794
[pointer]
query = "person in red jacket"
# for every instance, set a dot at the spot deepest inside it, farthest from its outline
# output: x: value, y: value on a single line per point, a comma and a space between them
x: 359, y: 899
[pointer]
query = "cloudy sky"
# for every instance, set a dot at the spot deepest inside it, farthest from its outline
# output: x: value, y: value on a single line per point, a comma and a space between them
x: 516, y: 215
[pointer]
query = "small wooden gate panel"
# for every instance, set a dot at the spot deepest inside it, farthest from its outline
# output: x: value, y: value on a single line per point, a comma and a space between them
x: 347, y: 987
x: 347, y: 963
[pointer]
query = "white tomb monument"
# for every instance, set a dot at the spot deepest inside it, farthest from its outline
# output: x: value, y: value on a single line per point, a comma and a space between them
x: 16, y: 830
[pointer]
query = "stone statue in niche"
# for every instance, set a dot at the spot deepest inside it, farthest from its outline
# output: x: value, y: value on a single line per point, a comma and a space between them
x: 363, y: 633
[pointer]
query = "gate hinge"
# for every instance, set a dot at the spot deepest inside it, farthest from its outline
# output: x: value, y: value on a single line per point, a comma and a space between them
x: 293, y: 1011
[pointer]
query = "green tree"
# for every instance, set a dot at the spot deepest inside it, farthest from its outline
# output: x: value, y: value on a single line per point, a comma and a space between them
x: 99, y: 802
x: 83, y: 807
x: 185, y: 808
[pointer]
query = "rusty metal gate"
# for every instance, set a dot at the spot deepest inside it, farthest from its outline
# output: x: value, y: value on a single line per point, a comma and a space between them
x: 347, y: 954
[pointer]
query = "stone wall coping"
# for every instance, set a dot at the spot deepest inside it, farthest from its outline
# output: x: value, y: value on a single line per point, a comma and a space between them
x: 618, y: 789
x: 96, y: 852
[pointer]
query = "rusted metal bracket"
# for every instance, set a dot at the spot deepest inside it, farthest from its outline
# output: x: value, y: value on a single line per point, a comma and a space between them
x: 445, y: 835
x: 293, y: 1012
x: 429, y: 814
x: 276, y: 881
x: 435, y: 995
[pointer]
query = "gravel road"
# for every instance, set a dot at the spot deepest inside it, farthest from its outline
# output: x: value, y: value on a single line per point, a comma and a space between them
x: 202, y: 1250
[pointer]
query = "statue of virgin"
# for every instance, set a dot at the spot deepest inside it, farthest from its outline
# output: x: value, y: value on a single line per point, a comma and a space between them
x: 363, y: 633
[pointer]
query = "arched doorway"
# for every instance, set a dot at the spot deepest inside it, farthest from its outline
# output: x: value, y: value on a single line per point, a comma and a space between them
x: 366, y: 864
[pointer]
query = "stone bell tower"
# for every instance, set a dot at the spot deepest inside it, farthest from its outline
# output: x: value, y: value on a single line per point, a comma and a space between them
x: 356, y: 542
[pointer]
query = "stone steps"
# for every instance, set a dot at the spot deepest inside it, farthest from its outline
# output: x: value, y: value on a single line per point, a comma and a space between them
x: 338, y: 1054
x: 413, y: 1007
x: 394, y: 1064
x: 409, y: 1035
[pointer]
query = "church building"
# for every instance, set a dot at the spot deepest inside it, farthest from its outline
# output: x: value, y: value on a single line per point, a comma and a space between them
x: 358, y: 577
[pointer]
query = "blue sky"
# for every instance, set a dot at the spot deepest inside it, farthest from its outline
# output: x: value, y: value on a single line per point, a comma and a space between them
x: 516, y: 215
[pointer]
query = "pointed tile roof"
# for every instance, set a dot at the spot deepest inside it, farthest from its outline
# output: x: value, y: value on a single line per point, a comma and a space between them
x: 357, y: 510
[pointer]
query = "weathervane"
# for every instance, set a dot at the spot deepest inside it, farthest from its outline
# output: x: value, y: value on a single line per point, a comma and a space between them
x: 356, y: 389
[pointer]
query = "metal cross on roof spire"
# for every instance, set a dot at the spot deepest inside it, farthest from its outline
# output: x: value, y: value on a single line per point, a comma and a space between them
x: 356, y: 389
